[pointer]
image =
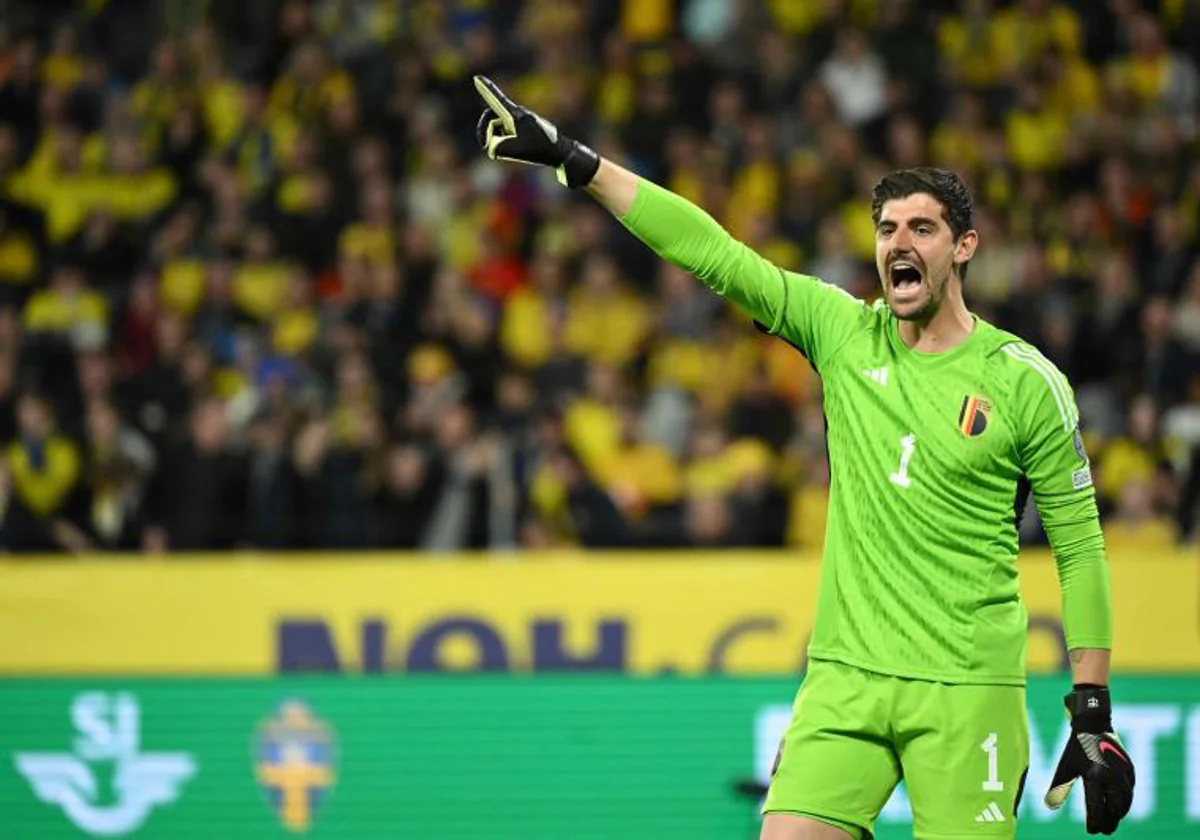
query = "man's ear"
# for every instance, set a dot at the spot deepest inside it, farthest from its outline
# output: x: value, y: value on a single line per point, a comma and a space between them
x: 965, y: 248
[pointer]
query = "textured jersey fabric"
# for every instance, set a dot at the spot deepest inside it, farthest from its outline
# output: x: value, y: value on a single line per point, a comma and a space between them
x: 931, y: 457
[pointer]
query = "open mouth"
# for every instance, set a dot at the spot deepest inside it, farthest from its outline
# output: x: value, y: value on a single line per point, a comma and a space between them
x: 904, y: 276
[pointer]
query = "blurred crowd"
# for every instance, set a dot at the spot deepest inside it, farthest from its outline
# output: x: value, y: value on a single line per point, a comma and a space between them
x: 258, y: 288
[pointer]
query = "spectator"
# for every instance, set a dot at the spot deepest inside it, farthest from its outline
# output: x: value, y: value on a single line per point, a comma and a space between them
x: 277, y: 261
x: 205, y: 511
x: 45, y: 491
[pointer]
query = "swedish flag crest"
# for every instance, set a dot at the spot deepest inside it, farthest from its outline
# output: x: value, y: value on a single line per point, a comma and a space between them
x: 294, y: 763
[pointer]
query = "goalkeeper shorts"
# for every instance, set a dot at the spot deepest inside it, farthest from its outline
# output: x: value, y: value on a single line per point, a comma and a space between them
x: 962, y: 751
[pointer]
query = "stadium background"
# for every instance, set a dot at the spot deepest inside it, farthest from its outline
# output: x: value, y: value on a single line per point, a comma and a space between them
x: 304, y: 405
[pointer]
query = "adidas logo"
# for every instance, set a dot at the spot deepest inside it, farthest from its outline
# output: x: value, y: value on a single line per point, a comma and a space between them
x: 991, y: 813
x: 879, y: 375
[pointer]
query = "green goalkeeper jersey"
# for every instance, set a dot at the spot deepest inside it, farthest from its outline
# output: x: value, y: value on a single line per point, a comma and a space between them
x: 932, y: 457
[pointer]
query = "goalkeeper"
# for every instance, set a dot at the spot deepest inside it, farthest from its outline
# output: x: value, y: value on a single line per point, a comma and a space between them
x: 939, y: 427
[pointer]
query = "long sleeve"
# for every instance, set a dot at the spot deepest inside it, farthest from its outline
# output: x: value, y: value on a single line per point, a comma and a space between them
x: 1057, y: 468
x: 815, y: 316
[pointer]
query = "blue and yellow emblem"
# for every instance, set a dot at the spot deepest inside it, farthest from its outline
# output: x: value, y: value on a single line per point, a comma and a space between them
x: 294, y: 763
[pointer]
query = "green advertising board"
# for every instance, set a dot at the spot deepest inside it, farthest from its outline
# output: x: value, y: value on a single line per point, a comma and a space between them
x: 496, y: 757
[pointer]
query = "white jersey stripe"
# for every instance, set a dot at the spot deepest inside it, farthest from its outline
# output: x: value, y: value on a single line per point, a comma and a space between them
x: 1058, y: 383
x: 1058, y: 386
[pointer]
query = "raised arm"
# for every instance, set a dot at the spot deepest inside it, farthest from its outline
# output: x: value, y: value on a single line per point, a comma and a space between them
x: 814, y: 316
x: 615, y: 187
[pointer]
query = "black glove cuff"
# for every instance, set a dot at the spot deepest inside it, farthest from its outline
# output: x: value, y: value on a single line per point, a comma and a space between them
x: 579, y: 163
x: 1090, y: 708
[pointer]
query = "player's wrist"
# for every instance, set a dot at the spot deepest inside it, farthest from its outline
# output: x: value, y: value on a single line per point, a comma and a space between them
x: 1090, y: 708
x: 579, y: 163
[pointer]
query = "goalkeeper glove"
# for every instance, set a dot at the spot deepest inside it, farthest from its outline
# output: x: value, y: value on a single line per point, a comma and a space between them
x: 508, y: 131
x: 1094, y: 753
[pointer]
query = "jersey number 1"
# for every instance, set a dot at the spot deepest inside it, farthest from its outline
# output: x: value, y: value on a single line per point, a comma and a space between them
x: 908, y: 444
x: 989, y: 746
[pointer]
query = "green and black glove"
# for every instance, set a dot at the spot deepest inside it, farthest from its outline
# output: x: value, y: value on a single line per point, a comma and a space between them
x: 508, y: 131
x: 1095, y: 754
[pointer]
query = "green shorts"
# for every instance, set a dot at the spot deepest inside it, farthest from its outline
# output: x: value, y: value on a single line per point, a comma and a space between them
x: 962, y: 751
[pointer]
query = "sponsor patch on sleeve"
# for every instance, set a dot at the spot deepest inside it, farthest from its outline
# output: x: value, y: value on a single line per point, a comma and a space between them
x: 1081, y: 478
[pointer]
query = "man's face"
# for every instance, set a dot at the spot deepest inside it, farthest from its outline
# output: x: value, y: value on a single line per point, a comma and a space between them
x: 915, y: 253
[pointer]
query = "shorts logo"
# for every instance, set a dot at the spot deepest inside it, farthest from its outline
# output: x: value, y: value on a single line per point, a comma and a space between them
x: 973, y: 416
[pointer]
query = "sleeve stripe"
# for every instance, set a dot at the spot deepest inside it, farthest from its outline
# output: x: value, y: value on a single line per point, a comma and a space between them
x: 1058, y: 385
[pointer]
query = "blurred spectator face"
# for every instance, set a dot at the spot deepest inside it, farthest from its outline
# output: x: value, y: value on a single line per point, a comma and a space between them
x: 309, y: 63
x: 344, y: 116
x: 370, y: 159
x: 53, y: 105
x: 708, y: 441
x: 405, y: 470
x: 456, y: 426
x: 267, y: 434
x: 816, y: 105
x: 515, y: 395
x: 209, y: 426
x: 759, y: 143
x: 1079, y: 217
x: 356, y: 276
x: 905, y: 141
x: 64, y: 41
x: 852, y: 45
x: 547, y: 271
x: 726, y: 104
x: 254, y: 104
x: 600, y: 275
x: 377, y: 203
x: 1145, y: 36
x: 170, y: 335
x: 197, y: 365
x: 1156, y: 320
x: 103, y: 423
x: 320, y: 194
x: 474, y: 326
x: 69, y: 149
x: 386, y: 282
x: 166, y: 61
x: 707, y: 519
x: 1143, y: 419
x: 831, y: 239
x: 1136, y: 501
x: 603, y: 382
x: 1113, y: 276
x: 220, y: 281
x: 1035, y: 273
x: 479, y: 45
x: 25, y: 60
x: 34, y: 417
x: 1168, y: 227
x: 125, y: 155
x: 95, y: 374
x: 259, y: 245
x: 68, y: 281
x: 353, y: 376
x: 565, y: 468
x: 295, y: 18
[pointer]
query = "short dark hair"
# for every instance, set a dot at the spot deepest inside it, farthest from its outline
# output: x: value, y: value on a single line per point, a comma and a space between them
x: 942, y: 184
